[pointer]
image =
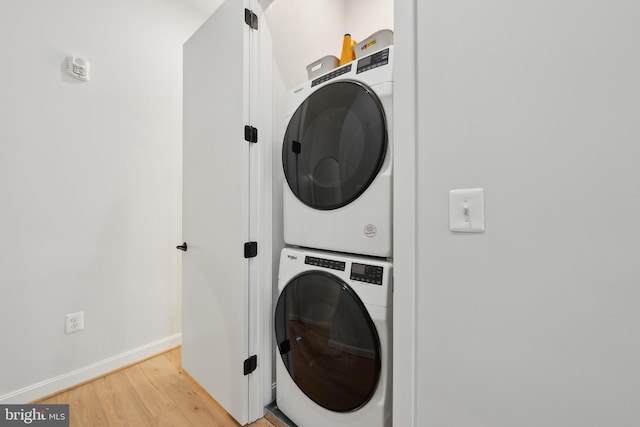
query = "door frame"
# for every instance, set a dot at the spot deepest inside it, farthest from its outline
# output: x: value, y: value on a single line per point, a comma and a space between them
x: 261, y: 391
x: 405, y: 192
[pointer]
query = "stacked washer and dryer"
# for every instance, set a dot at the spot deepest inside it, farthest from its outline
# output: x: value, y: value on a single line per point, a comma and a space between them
x: 334, y: 310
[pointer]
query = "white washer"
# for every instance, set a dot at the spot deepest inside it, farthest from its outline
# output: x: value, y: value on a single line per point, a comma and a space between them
x: 333, y: 333
x: 336, y: 157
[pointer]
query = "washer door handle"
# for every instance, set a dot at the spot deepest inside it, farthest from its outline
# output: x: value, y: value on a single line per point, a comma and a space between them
x: 182, y: 247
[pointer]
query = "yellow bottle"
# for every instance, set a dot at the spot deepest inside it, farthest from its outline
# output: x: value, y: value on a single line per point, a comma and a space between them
x: 348, y: 53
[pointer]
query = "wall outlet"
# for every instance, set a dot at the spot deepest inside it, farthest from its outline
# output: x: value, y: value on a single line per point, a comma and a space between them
x: 75, y: 322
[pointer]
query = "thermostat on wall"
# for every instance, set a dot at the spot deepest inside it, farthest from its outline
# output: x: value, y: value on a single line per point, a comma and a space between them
x: 77, y: 68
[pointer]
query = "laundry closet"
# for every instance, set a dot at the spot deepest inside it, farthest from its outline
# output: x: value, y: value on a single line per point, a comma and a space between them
x: 248, y: 88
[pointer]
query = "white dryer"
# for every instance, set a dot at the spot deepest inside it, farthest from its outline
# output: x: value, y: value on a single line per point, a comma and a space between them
x: 333, y: 333
x: 336, y: 156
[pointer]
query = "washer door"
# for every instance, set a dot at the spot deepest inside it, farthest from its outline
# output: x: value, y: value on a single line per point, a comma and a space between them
x: 334, y: 145
x: 328, y: 341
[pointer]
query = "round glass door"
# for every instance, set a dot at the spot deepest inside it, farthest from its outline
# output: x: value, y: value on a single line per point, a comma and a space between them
x: 334, y: 145
x: 327, y: 341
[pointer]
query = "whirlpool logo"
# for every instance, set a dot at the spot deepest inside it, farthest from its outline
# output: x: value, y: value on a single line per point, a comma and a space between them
x: 35, y: 415
x: 292, y: 257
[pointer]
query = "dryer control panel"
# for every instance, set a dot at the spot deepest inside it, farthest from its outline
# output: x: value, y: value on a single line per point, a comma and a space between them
x: 366, y: 273
x: 378, y: 59
x: 331, y: 75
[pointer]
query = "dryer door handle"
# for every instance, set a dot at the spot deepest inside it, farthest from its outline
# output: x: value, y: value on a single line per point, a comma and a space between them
x: 182, y: 247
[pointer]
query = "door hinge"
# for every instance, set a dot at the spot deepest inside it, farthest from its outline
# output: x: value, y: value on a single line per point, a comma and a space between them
x: 251, y: 19
x: 250, y: 364
x: 250, y: 134
x: 250, y: 249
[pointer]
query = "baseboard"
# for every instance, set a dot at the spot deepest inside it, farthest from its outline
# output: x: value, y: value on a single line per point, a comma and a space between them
x: 86, y: 373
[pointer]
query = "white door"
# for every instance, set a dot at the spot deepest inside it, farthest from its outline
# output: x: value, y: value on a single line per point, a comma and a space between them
x: 216, y: 205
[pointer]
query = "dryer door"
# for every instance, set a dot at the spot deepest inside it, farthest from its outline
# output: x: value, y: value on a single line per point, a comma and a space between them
x: 327, y: 341
x: 334, y: 145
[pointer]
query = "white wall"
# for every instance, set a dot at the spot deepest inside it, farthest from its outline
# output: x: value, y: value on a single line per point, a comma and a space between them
x: 90, y: 186
x: 535, y: 322
x: 303, y: 32
x: 365, y: 17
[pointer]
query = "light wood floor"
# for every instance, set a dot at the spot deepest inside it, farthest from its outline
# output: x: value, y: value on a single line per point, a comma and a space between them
x: 154, y: 392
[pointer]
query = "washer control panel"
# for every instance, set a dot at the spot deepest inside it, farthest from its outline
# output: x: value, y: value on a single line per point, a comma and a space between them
x: 378, y: 59
x: 326, y: 263
x: 366, y: 273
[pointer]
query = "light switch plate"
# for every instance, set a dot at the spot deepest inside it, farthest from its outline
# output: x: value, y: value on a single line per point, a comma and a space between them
x: 466, y: 210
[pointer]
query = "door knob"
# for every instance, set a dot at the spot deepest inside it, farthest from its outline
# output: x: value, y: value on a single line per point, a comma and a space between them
x: 182, y: 247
